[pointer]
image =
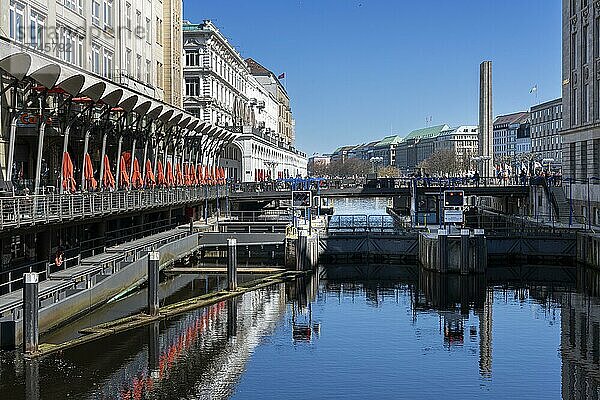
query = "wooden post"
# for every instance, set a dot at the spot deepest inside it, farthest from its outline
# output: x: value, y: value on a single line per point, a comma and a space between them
x: 481, y: 255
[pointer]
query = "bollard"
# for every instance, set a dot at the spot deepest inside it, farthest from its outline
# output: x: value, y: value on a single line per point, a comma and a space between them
x: 464, y: 251
x: 30, y: 313
x: 232, y: 264
x: 480, y: 251
x: 153, y: 276
x: 442, y: 250
x: 301, y: 249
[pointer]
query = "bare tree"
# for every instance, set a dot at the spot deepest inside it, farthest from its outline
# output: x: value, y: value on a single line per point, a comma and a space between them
x: 442, y: 162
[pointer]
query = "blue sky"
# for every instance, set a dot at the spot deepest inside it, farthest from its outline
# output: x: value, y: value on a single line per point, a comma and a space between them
x: 359, y: 69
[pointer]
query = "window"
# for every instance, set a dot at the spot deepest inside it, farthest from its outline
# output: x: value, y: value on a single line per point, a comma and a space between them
x: 584, y: 45
x: 128, y: 16
x: 71, y: 46
x: 148, y: 72
x: 583, y: 156
x: 138, y: 21
x: 95, y: 58
x: 96, y: 12
x: 159, y: 75
x: 75, y: 5
x: 148, y: 31
x: 159, y: 33
x: 107, y: 63
x: 192, y: 58
x: 108, y: 13
x: 37, y: 22
x: 192, y: 87
x: 16, y: 20
x: 138, y: 67
x: 128, y: 61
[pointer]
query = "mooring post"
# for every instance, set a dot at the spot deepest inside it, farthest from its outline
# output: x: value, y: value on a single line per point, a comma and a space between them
x: 442, y: 250
x: 464, y: 251
x: 480, y: 251
x: 153, y: 275
x: 301, y: 246
x: 232, y: 263
x: 232, y: 317
x: 30, y: 313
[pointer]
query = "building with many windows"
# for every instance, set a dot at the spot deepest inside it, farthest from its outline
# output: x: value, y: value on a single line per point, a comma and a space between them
x: 121, y: 41
x: 223, y: 88
x: 581, y: 105
x: 511, y: 135
x: 462, y: 141
x: 417, y: 146
x: 546, y: 141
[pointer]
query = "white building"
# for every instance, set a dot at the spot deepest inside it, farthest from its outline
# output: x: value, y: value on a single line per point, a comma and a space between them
x: 462, y: 140
x: 121, y: 40
x: 222, y: 88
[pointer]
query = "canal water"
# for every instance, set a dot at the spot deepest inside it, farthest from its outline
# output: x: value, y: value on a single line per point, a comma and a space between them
x: 349, y: 332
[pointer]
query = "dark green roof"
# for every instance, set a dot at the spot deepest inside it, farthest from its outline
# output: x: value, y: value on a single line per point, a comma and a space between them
x: 424, y: 133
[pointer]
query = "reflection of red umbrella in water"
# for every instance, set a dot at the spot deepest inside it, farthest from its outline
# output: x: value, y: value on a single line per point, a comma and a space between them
x: 88, y: 173
x: 68, y: 182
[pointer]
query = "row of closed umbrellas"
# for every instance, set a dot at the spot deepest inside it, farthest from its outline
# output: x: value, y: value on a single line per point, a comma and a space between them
x: 187, y: 174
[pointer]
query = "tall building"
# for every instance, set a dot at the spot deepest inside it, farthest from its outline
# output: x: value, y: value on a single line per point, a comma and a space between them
x: 272, y: 83
x: 511, y: 136
x: 170, y: 71
x: 223, y: 88
x: 121, y: 41
x: 546, y: 140
x: 581, y: 108
x: 417, y: 146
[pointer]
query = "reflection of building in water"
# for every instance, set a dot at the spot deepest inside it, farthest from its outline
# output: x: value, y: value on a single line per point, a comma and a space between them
x: 580, y: 346
x: 301, y: 293
x: 203, y: 352
x: 485, y: 335
x: 453, y: 297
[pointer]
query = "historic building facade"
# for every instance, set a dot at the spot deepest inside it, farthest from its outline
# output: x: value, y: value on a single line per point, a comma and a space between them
x: 463, y: 141
x: 581, y: 104
x: 240, y: 94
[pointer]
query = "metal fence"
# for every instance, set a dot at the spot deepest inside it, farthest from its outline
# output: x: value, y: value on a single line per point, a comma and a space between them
x: 365, y: 223
x: 17, y: 211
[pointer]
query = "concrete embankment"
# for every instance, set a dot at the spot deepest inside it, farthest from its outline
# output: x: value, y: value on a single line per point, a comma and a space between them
x: 139, y: 320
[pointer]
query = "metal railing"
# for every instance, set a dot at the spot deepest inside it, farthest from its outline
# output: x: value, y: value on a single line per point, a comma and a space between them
x: 17, y: 211
x: 361, y: 223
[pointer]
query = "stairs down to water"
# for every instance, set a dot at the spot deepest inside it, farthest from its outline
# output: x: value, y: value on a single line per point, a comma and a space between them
x: 561, y: 202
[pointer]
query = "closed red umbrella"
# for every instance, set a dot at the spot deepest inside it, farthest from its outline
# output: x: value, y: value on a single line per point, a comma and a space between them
x: 170, y: 180
x: 68, y: 182
x: 178, y: 175
x: 149, y: 178
x: 88, y: 172
x: 160, y: 174
x: 200, y: 175
x: 136, y: 176
x: 123, y: 175
x: 108, y: 179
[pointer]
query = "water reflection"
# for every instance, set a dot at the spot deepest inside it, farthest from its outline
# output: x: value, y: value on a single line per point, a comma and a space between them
x: 532, y: 334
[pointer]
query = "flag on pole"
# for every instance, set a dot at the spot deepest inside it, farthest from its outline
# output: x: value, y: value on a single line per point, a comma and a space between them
x: 281, y: 76
x: 533, y: 89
